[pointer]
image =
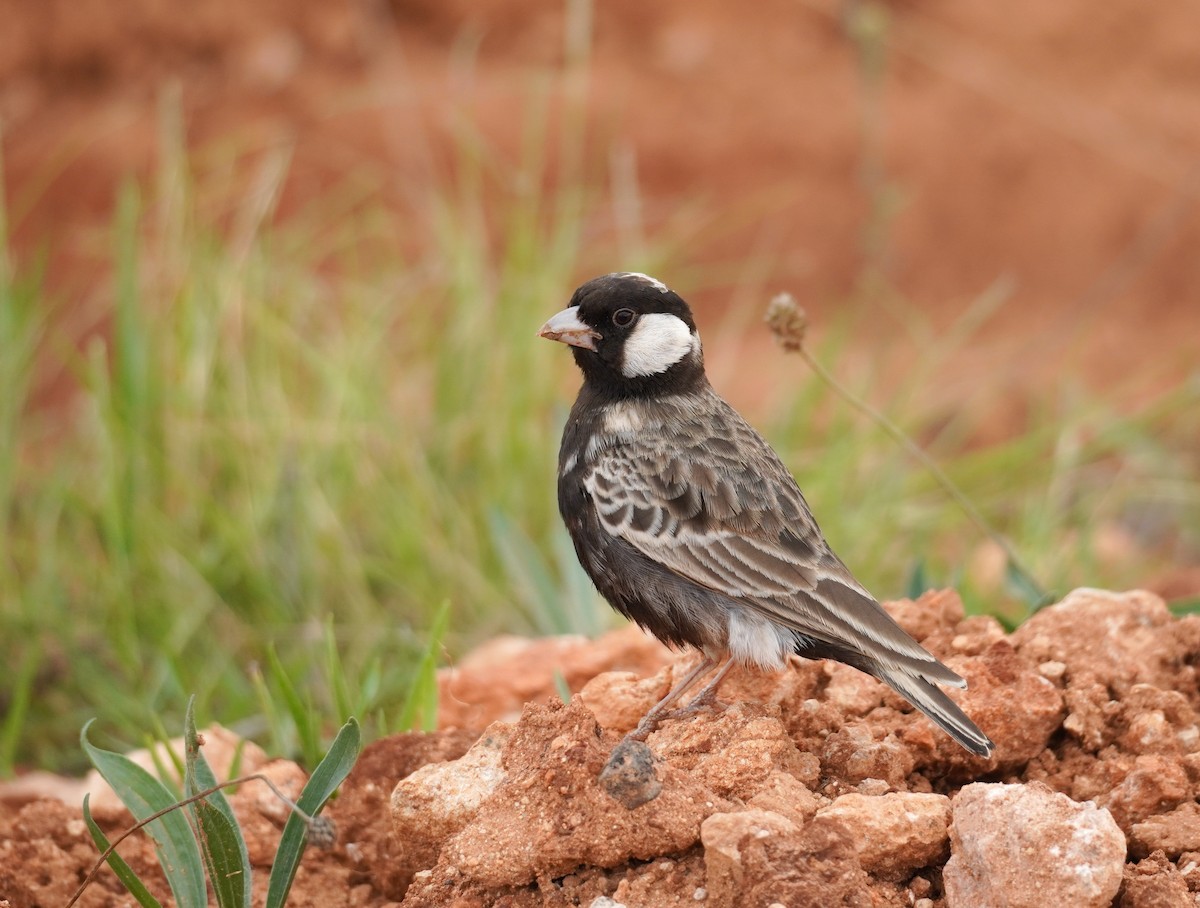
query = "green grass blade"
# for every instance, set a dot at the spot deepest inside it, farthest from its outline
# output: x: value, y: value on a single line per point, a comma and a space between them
x: 124, y: 872
x: 221, y: 841
x: 18, y: 708
x: 529, y: 575
x: 328, y: 775
x: 301, y: 711
x: 144, y: 795
x: 421, y: 704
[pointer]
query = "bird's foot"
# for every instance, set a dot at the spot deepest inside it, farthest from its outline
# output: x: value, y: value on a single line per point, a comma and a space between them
x: 648, y: 725
x: 705, y: 700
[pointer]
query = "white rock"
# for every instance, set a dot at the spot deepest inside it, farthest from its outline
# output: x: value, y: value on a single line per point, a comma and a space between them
x: 1026, y: 846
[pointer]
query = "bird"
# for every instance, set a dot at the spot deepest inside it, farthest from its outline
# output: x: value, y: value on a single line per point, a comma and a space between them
x: 691, y: 526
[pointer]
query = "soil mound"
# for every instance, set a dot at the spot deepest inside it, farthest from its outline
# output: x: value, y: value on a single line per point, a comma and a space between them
x: 816, y: 786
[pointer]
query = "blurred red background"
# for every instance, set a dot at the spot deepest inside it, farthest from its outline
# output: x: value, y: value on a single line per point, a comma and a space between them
x: 1056, y: 145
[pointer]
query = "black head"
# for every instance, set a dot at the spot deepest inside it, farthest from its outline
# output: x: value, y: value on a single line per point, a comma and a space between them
x: 631, y: 336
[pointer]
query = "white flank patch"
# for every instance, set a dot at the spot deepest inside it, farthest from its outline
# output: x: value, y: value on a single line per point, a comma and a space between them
x: 658, y: 342
x: 647, y: 279
x: 758, y: 641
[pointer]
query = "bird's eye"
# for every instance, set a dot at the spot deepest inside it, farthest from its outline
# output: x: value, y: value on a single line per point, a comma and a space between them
x: 623, y: 318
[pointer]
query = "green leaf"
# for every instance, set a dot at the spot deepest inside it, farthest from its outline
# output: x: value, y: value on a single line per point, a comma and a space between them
x: 421, y: 703
x: 918, y: 580
x: 221, y: 841
x: 144, y: 795
x: 328, y: 775
x: 224, y: 855
x: 124, y: 872
x: 1185, y: 606
x: 1025, y: 587
x: 560, y: 685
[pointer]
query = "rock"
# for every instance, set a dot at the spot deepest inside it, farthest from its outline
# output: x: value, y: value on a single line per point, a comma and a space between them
x: 1121, y: 639
x: 1025, y: 846
x: 1153, y: 785
x: 723, y: 836
x: 365, y: 828
x: 852, y: 691
x: 734, y: 751
x: 760, y: 858
x: 438, y: 800
x: 628, y: 777
x: 1154, y: 883
x: 817, y: 867
x: 853, y: 754
x: 1189, y: 869
x: 1174, y: 833
x: 255, y: 795
x: 810, y: 721
x: 495, y: 680
x: 260, y: 812
x: 548, y: 815
x: 1158, y: 721
x: 784, y: 794
x: 1091, y: 712
x: 40, y: 785
x: 1009, y: 699
x: 667, y: 882
x: 894, y: 834
x: 936, y: 613
x: 619, y: 700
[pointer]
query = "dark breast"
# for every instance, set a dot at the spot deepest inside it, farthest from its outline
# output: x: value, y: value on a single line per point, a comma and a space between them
x: 675, y: 610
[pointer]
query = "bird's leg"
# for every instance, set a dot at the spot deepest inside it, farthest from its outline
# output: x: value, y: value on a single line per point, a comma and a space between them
x: 650, y: 721
x: 629, y: 775
x: 707, y: 696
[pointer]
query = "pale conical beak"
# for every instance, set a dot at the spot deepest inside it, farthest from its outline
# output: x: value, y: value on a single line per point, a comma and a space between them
x: 568, y: 328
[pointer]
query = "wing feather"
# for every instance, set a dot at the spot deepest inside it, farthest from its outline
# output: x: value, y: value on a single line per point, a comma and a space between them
x: 719, y: 508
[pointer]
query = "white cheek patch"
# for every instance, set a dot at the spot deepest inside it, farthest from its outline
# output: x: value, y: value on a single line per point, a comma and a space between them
x: 657, y: 342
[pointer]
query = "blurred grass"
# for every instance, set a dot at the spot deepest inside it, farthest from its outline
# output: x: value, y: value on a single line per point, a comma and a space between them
x: 286, y: 436
x: 297, y: 438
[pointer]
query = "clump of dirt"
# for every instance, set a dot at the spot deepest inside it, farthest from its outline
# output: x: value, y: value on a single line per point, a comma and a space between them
x: 816, y: 786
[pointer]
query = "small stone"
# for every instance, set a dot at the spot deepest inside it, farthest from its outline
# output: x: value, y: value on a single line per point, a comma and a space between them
x: 1173, y: 833
x: 1154, y: 883
x: 629, y: 777
x: 1052, y: 670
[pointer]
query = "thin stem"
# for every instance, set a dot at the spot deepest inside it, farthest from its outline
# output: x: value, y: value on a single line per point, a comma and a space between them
x: 788, y: 323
